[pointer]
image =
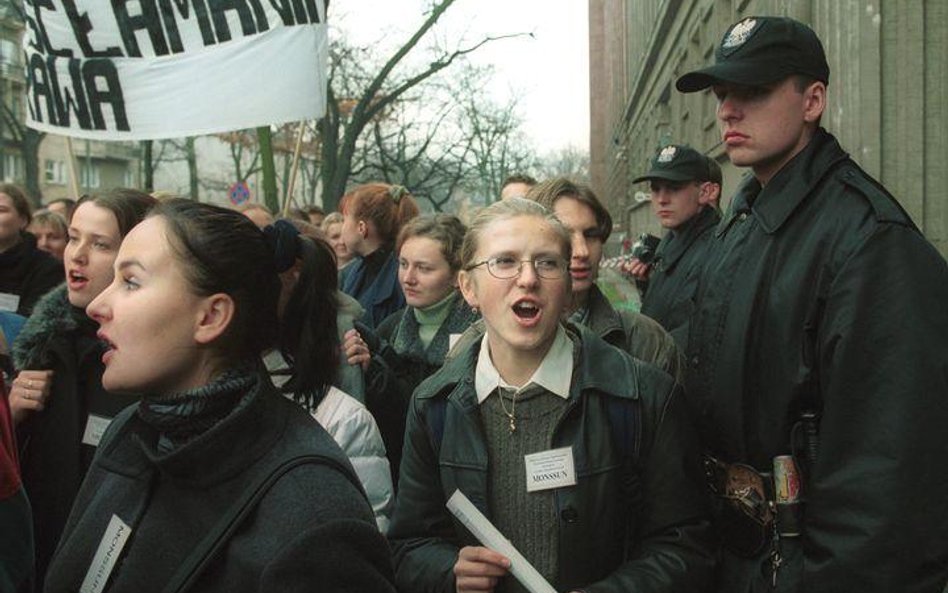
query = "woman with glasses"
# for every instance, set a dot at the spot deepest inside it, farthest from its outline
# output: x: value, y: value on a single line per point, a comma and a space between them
x: 553, y: 434
x: 413, y: 342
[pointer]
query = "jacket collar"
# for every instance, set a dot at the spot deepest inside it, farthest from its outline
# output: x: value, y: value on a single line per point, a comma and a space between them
x: 790, y: 187
x: 386, y: 282
x: 382, y: 286
x: 676, y: 243
x: 406, y: 341
x: 599, y: 366
x: 53, y: 318
x: 602, y: 319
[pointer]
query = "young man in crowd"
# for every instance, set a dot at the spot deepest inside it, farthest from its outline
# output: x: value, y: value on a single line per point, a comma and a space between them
x: 516, y: 186
x: 818, y: 354
x: 590, y: 225
x: 685, y: 186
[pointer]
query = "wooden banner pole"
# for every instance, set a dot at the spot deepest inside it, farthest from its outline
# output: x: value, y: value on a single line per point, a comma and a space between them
x: 293, y: 169
x: 73, y: 173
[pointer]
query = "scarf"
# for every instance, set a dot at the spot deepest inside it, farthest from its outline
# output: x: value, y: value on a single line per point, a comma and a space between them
x: 406, y: 341
x: 184, y: 416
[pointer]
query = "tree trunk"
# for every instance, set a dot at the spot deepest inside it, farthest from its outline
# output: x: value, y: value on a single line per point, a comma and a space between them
x: 31, y: 165
x: 270, y: 198
x: 148, y: 166
x: 328, y: 133
x: 192, y: 168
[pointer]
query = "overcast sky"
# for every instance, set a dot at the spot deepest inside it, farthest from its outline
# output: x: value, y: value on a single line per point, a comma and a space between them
x: 550, y: 72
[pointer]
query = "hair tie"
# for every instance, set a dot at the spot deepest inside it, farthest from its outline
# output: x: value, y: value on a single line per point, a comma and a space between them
x: 282, y: 238
x: 397, y: 191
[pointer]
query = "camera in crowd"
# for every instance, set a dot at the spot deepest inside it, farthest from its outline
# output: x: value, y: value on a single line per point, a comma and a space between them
x: 644, y: 248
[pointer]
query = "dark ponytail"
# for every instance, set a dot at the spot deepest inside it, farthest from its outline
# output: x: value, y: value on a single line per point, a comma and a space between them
x: 222, y: 251
x: 309, y: 338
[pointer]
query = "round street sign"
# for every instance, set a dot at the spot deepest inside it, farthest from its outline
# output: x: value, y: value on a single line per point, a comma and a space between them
x: 239, y: 193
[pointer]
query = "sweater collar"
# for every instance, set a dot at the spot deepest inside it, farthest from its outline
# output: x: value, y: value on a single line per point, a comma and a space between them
x: 435, y: 314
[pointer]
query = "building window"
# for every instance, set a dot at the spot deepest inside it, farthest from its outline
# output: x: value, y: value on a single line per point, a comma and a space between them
x: 89, y: 176
x: 10, y: 55
x: 12, y: 168
x: 55, y: 172
x: 128, y: 180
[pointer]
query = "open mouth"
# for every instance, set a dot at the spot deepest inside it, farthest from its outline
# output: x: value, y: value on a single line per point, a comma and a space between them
x: 76, y: 279
x: 526, y: 310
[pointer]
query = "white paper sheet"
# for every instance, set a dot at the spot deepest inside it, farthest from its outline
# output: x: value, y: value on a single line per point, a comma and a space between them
x: 488, y: 535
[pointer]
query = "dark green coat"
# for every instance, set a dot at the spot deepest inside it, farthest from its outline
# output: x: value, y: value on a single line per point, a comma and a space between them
x: 400, y: 362
x: 672, y: 553
x: 673, y: 281
x: 635, y: 333
x: 821, y: 293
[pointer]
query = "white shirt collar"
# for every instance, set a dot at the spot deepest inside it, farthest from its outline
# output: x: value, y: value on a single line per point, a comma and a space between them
x: 554, y: 374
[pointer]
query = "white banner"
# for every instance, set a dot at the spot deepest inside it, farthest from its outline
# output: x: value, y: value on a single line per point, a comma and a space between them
x: 150, y: 69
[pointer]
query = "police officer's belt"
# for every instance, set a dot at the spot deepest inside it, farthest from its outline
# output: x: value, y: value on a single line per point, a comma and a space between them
x: 743, y: 505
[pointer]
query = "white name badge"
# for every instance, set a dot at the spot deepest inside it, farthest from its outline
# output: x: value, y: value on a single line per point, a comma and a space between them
x: 95, y: 428
x: 110, y: 548
x: 9, y: 302
x: 550, y: 469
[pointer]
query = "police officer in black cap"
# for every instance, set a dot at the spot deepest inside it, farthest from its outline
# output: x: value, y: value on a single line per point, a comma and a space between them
x: 685, y: 186
x: 818, y: 356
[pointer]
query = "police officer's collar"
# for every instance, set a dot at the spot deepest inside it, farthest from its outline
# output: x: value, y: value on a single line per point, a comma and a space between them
x: 790, y: 187
x: 676, y: 243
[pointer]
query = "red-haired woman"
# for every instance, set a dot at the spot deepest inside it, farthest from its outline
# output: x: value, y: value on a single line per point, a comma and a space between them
x: 374, y: 214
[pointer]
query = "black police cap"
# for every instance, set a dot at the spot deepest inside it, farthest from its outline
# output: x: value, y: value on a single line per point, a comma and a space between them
x: 761, y: 50
x: 679, y: 163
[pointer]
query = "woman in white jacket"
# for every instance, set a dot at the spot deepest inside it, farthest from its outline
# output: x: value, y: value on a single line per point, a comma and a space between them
x: 343, y: 416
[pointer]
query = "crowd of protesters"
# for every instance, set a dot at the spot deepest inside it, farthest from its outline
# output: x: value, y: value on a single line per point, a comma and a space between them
x: 208, y: 399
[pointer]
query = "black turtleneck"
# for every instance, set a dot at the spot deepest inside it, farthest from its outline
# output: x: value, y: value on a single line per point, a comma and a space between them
x: 181, y: 417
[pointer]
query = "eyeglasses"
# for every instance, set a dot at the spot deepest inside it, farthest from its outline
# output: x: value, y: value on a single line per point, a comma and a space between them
x: 505, y: 267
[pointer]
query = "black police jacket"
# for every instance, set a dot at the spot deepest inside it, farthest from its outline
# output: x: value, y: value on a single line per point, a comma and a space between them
x: 821, y: 294
x: 672, y: 550
x: 673, y: 281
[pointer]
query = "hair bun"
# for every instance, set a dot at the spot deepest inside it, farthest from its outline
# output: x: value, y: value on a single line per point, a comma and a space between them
x: 282, y: 237
x: 397, y: 191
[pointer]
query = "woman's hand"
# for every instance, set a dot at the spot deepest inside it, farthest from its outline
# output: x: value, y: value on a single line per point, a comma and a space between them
x: 356, y: 350
x: 479, y: 569
x: 29, y: 393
